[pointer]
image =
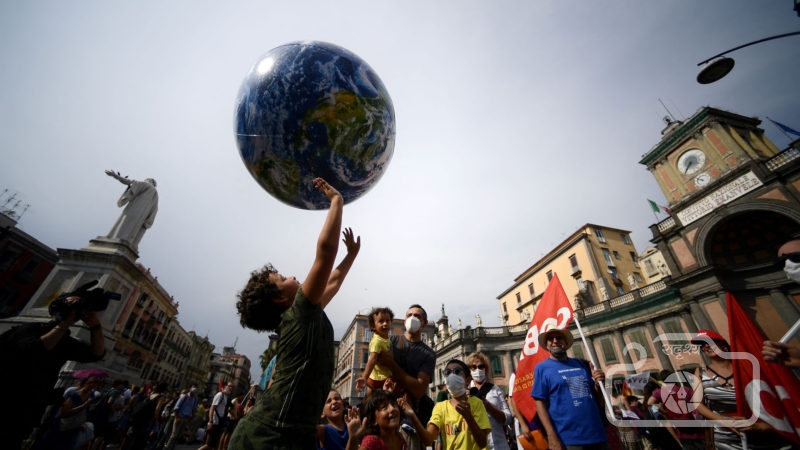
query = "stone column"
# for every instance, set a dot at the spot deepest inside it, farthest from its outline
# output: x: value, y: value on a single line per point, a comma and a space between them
x: 785, y: 307
x: 686, y: 315
x: 592, y: 352
x: 626, y: 357
x: 698, y: 314
x: 666, y: 363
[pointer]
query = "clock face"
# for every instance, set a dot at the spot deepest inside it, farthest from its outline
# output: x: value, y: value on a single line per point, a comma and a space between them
x: 702, y: 179
x: 691, y: 161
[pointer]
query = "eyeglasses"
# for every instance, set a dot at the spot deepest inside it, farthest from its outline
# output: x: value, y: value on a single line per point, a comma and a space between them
x: 793, y: 257
x: 478, y: 366
x: 556, y: 337
x: 457, y: 371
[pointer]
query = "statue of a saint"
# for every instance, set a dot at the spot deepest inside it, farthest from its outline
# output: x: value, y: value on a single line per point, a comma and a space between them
x: 478, y: 321
x: 140, y: 200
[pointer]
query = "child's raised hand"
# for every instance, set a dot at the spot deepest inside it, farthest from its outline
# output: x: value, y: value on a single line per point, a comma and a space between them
x: 323, y: 186
x: 405, y: 405
x: 360, y: 384
x: 353, y: 244
x: 355, y: 426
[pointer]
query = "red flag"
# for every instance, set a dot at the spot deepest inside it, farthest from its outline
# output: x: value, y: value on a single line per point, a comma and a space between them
x: 626, y: 390
x: 554, y: 309
x: 221, y: 387
x: 771, y: 390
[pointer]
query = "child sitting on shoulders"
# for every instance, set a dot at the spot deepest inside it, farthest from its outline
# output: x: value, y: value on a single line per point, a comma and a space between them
x: 380, y: 322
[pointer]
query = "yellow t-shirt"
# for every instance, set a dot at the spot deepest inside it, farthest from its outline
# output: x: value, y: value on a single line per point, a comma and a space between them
x: 376, y: 345
x: 453, y: 428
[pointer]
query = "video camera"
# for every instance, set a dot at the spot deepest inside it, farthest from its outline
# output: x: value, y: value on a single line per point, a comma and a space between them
x: 89, y: 300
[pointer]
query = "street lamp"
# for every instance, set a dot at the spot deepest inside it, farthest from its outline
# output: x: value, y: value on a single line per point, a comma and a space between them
x: 719, y: 65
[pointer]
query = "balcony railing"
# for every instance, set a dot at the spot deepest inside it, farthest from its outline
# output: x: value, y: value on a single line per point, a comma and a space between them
x: 625, y: 299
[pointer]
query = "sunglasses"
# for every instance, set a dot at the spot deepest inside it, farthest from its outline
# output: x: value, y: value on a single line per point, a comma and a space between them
x: 457, y: 371
x: 793, y: 257
x: 477, y: 366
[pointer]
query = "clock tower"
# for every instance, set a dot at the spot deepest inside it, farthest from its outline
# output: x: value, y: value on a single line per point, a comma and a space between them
x: 694, y: 154
x: 734, y: 198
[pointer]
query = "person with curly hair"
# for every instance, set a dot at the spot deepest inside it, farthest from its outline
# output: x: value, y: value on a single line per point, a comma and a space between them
x: 288, y: 412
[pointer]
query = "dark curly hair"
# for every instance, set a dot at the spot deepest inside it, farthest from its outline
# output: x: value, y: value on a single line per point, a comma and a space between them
x: 372, y: 404
x: 375, y: 311
x: 256, y: 306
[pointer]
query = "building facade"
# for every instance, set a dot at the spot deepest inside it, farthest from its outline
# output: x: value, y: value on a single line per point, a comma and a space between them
x: 594, y: 264
x: 199, y: 365
x: 734, y: 198
x: 226, y: 367
x: 24, y: 264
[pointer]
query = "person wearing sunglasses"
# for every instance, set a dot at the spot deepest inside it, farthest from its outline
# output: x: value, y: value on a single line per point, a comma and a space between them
x: 564, y: 391
x: 493, y: 400
x: 777, y: 352
x: 461, y: 422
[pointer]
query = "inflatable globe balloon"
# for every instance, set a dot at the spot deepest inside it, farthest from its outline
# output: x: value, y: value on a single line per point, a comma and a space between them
x: 313, y: 109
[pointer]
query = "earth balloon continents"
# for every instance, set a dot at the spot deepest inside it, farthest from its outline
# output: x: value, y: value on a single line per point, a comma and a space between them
x: 314, y: 109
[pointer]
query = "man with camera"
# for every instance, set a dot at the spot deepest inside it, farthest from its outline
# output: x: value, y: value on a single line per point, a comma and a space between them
x: 39, y: 350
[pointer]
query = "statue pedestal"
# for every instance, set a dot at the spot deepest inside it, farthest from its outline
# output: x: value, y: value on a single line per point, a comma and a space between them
x: 103, y: 244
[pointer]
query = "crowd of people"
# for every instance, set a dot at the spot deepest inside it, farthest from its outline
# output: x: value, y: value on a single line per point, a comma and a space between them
x: 299, y: 410
x: 150, y: 417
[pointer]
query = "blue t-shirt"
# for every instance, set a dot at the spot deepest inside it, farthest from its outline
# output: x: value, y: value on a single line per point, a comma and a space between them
x: 335, y: 439
x: 567, y: 388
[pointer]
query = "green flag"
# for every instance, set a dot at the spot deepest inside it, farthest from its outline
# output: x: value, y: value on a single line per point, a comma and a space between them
x: 654, y: 206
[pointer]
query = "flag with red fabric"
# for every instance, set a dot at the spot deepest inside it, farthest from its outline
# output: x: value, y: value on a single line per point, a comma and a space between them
x: 626, y: 390
x: 554, y: 309
x: 221, y: 385
x: 771, y: 390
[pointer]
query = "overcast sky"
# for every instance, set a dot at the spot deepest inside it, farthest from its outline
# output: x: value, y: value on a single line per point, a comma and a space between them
x: 517, y: 123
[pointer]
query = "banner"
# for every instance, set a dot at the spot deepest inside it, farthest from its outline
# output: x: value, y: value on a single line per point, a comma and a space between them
x: 637, y: 381
x: 554, y: 309
x: 771, y: 390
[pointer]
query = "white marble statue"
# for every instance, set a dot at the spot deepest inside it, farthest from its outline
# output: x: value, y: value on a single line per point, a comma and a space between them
x: 140, y: 200
x: 478, y: 321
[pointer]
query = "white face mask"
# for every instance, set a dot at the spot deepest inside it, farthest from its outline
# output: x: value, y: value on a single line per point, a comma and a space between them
x: 479, y: 375
x: 456, y: 385
x: 792, y: 270
x: 412, y: 324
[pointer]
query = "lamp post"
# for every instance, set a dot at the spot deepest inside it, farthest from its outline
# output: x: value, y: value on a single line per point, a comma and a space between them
x: 719, y: 65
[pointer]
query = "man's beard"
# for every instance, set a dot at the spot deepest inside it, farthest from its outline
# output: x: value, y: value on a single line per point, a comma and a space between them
x: 558, y: 352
